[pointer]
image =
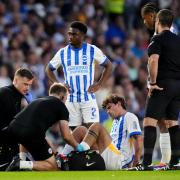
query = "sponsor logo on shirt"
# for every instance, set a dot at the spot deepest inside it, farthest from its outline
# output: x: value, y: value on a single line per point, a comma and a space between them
x: 135, y: 125
x: 81, y: 69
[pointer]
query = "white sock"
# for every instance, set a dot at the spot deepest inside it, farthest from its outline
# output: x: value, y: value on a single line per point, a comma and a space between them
x: 26, y: 165
x: 165, y: 147
x: 67, y: 149
x: 85, y: 145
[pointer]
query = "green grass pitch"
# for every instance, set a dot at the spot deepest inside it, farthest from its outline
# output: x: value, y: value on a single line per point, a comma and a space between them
x: 92, y: 175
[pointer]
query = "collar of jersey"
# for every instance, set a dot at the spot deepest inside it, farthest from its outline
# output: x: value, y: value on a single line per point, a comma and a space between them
x: 77, y: 49
x: 118, y: 118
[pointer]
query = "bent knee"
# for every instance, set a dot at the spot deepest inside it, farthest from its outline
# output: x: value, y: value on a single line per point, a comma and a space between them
x: 80, y: 129
x: 79, y: 133
x: 95, y: 125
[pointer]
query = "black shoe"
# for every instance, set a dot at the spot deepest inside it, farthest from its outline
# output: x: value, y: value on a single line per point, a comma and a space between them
x: 3, y: 166
x: 174, y: 167
x: 14, y: 165
x: 141, y: 167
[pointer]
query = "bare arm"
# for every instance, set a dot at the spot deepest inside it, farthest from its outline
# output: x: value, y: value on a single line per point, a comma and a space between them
x: 66, y: 133
x: 138, y: 148
x: 105, y: 74
x: 153, y: 72
x: 50, y: 74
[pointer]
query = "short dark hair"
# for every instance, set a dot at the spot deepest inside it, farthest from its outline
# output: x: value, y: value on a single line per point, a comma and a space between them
x: 165, y: 17
x: 149, y: 8
x: 57, y: 88
x: 114, y: 98
x: 23, y: 72
x: 80, y: 26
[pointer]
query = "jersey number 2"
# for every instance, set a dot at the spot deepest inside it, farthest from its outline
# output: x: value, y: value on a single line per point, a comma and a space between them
x: 93, y: 113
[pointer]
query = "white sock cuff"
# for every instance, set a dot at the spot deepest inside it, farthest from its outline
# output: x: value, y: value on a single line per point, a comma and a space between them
x: 85, y: 145
x: 26, y: 165
x: 67, y: 149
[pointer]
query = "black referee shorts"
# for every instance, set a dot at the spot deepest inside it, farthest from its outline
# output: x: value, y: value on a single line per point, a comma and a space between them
x: 164, y: 104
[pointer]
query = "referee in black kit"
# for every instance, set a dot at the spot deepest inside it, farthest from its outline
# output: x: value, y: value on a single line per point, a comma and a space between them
x: 164, y: 91
x: 12, y: 100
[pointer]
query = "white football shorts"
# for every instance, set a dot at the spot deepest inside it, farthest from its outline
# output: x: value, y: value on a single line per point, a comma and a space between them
x: 82, y: 112
x: 113, y: 158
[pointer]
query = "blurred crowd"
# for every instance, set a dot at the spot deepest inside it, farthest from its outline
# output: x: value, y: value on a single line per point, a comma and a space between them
x: 31, y: 31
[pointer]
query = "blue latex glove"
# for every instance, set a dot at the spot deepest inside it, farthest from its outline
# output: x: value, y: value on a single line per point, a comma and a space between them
x: 79, y: 148
x: 28, y: 97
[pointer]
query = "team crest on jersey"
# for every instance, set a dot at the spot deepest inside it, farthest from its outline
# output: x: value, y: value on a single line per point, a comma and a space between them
x: 84, y: 58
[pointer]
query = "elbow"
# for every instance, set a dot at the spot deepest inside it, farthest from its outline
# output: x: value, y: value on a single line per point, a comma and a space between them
x: 47, y: 69
x: 141, y: 139
x: 110, y: 69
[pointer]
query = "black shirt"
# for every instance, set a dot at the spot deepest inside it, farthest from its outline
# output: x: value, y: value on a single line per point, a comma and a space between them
x: 41, y: 114
x: 10, y: 104
x: 167, y: 46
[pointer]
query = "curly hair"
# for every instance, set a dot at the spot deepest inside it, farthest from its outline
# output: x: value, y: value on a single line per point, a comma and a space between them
x: 114, y: 98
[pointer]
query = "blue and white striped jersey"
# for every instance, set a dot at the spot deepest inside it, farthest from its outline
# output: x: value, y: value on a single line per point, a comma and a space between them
x: 78, y: 66
x: 122, y: 131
